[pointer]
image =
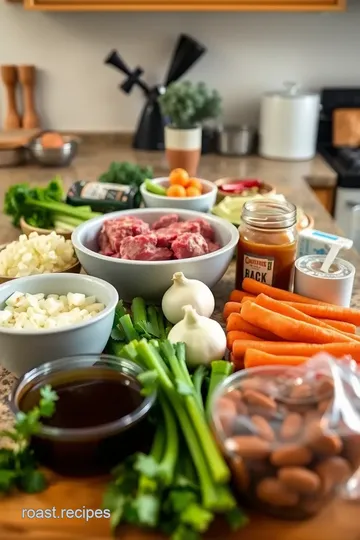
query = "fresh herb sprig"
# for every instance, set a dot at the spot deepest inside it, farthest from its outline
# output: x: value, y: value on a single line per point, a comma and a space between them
x: 126, y: 173
x: 18, y: 467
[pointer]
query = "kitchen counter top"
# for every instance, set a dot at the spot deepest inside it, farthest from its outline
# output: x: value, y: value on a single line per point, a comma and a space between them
x: 94, y: 159
x: 288, y: 178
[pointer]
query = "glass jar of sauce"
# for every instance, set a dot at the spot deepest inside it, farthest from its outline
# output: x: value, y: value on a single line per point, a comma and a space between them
x: 267, y: 244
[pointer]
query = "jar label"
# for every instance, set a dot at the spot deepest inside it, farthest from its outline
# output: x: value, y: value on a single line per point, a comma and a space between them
x: 108, y: 192
x: 259, y: 268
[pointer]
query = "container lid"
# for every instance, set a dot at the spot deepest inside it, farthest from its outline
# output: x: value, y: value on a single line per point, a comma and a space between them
x: 292, y: 91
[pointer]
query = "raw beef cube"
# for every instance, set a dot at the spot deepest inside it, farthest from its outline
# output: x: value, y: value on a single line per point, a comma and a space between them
x: 118, y: 229
x: 185, y: 227
x: 160, y: 254
x: 205, y: 228
x: 143, y: 248
x: 165, y: 237
x: 189, y: 245
x: 213, y: 246
x: 104, y: 244
x: 165, y: 221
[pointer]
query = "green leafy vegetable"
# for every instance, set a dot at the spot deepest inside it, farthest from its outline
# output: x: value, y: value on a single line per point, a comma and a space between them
x: 43, y: 207
x: 18, y: 468
x: 126, y: 173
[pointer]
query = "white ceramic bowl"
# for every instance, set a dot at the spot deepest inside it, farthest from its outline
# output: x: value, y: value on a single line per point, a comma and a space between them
x: 202, y: 203
x: 151, y: 279
x: 22, y: 350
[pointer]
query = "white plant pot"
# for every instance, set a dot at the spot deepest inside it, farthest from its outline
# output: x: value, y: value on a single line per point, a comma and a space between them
x: 183, y: 148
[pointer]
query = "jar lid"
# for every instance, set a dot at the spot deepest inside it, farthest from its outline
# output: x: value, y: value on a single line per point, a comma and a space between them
x: 291, y: 91
x: 269, y: 214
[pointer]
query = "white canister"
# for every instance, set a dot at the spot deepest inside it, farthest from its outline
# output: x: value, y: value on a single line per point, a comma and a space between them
x: 289, y: 124
x: 333, y: 287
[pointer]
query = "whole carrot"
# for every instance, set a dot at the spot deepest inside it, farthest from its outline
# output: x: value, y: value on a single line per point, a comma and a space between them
x: 340, y: 325
x: 255, y: 287
x: 280, y: 348
x: 238, y: 363
x: 236, y: 335
x: 285, y: 327
x: 236, y: 322
x: 247, y: 298
x: 336, y: 313
x: 255, y: 358
x: 237, y: 296
x: 231, y: 307
x: 291, y: 311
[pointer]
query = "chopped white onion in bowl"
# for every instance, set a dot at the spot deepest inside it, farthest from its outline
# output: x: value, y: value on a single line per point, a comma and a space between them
x: 37, y: 311
x: 36, y: 254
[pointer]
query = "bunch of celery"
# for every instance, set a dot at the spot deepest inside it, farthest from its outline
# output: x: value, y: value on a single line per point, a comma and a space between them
x: 140, y: 322
x: 183, y: 483
x: 44, y: 207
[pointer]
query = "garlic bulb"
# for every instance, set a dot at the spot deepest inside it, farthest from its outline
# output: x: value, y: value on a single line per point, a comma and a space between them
x: 204, y: 338
x: 183, y: 292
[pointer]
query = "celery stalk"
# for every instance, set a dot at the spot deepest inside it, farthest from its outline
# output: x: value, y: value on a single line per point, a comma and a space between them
x: 161, y: 326
x: 220, y: 370
x: 216, y: 463
x: 62, y: 208
x: 170, y: 456
x: 198, y: 379
x: 149, y: 485
x: 138, y: 310
x: 153, y: 320
x: 146, y: 352
x: 128, y: 327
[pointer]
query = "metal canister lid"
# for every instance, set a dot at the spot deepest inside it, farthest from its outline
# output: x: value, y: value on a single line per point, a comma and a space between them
x: 311, y: 265
x: 292, y: 91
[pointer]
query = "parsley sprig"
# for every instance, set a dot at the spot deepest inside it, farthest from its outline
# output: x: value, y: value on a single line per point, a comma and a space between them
x: 18, y: 467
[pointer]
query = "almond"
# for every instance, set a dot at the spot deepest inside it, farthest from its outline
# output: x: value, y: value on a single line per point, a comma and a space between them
x: 274, y: 492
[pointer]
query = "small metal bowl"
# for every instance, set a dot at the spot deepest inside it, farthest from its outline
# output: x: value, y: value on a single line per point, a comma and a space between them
x: 54, y: 157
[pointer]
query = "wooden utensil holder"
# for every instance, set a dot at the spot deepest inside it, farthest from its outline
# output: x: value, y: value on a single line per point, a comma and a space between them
x: 10, y: 79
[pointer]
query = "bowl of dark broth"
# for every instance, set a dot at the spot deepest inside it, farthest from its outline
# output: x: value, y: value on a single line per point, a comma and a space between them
x: 101, y: 416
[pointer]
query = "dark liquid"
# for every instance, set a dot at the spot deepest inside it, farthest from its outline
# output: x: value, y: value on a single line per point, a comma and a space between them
x: 90, y: 403
x: 93, y: 397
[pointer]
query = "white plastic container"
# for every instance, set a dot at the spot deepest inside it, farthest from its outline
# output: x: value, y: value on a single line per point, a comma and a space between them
x: 289, y: 124
x: 334, y: 286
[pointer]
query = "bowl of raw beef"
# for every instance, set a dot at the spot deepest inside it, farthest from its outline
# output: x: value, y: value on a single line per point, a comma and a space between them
x: 138, y: 251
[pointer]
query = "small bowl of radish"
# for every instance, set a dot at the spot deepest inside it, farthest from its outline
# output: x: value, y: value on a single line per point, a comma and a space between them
x: 178, y: 190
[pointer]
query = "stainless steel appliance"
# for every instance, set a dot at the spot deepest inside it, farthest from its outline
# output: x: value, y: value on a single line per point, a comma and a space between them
x: 344, y: 160
x: 236, y: 140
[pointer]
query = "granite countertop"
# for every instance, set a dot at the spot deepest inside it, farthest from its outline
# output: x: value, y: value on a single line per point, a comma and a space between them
x: 94, y: 159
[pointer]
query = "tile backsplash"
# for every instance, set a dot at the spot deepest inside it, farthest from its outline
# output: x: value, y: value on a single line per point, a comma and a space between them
x: 248, y: 54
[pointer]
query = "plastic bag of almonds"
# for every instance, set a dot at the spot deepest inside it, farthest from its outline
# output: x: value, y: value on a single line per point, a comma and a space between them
x: 291, y: 435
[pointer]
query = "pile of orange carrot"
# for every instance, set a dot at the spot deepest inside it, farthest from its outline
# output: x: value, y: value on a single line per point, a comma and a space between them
x: 267, y: 326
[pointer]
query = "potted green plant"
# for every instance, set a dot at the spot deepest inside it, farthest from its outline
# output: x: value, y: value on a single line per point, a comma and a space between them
x: 185, y: 107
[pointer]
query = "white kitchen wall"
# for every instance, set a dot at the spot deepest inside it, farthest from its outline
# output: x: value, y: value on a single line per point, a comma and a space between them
x: 247, y: 54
